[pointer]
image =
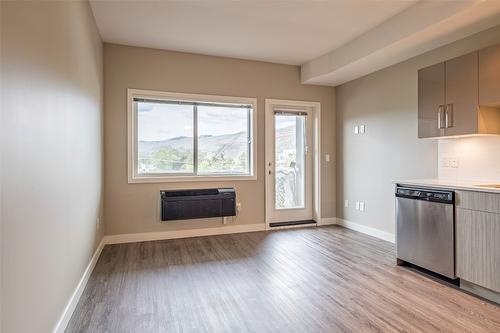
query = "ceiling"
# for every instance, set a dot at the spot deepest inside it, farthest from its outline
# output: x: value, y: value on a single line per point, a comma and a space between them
x: 333, y: 41
x: 288, y: 32
x: 422, y: 27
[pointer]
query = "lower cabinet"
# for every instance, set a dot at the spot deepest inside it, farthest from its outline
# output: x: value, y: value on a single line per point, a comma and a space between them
x: 478, y: 247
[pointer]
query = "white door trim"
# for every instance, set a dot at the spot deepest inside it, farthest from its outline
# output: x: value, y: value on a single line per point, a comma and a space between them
x: 316, y: 151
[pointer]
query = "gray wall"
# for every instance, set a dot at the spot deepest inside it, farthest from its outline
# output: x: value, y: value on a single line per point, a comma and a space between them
x: 133, y: 208
x: 386, y: 102
x: 51, y: 148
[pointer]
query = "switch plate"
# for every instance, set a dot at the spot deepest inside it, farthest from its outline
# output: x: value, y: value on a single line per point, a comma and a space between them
x: 357, y: 205
x: 362, y: 129
x: 356, y: 129
x: 362, y: 206
x: 454, y: 162
x: 327, y: 157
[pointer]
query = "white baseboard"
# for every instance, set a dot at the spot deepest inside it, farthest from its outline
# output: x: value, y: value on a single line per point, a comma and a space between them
x: 75, y: 297
x: 327, y: 221
x: 160, y: 235
x: 387, y: 236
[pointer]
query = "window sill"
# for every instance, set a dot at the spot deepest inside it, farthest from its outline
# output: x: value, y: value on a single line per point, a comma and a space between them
x: 187, y: 179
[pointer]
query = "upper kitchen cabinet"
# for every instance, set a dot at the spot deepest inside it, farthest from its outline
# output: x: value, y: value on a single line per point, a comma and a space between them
x: 431, y: 101
x: 450, y: 96
x: 460, y: 110
x: 489, y: 76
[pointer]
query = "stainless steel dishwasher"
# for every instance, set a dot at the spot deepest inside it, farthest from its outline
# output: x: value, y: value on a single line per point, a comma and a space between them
x: 425, y: 229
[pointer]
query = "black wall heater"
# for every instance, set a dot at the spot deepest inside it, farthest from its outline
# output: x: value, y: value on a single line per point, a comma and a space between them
x: 196, y: 204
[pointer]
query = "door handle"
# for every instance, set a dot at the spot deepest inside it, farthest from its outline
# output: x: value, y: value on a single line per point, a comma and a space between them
x: 441, y: 115
x: 449, y: 116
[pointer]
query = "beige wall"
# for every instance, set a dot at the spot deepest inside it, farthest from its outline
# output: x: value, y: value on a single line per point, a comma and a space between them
x: 386, y: 102
x: 133, y: 208
x: 51, y: 173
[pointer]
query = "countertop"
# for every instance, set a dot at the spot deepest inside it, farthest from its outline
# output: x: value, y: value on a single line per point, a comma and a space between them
x: 450, y: 184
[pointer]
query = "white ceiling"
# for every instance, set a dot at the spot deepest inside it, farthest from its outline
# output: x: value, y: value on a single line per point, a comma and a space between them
x: 422, y: 27
x: 334, y: 41
x: 289, y: 32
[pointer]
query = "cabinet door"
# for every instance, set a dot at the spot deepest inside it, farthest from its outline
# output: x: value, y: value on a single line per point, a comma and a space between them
x: 462, y: 95
x: 478, y: 248
x: 489, y: 76
x: 431, y: 100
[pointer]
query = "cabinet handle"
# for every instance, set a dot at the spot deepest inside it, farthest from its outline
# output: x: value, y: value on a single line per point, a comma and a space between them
x: 441, y: 122
x: 449, y: 115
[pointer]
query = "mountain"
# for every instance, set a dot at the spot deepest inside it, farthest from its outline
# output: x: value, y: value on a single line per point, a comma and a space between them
x: 232, y: 145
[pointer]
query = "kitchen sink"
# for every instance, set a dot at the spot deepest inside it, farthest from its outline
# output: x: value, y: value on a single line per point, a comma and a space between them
x: 489, y: 185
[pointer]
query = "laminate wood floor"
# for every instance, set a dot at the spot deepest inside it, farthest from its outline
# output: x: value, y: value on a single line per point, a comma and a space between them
x: 326, y: 279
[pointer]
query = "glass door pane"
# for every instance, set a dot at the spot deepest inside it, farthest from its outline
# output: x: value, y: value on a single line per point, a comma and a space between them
x: 290, y: 150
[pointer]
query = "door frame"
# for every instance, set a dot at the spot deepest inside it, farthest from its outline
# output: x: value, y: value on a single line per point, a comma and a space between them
x: 270, y: 104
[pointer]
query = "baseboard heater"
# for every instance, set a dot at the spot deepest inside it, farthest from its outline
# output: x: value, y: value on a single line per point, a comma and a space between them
x: 289, y: 223
x: 197, y: 204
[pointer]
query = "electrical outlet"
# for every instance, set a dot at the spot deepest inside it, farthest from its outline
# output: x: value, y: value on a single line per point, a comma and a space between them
x: 346, y: 203
x: 362, y: 206
x: 454, y: 162
x: 357, y: 205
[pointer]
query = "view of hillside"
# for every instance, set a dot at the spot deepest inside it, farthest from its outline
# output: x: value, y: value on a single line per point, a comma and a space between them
x: 217, y: 154
x: 220, y: 153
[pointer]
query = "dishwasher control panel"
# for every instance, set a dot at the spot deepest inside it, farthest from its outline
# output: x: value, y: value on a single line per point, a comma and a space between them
x: 429, y: 195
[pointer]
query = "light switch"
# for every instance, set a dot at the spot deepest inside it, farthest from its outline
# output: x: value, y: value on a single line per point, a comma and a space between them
x: 454, y: 162
x: 327, y: 157
x: 356, y: 129
x: 362, y: 129
x: 362, y: 206
x: 357, y: 205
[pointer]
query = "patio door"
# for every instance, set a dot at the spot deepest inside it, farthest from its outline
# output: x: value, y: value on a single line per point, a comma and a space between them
x: 289, y: 165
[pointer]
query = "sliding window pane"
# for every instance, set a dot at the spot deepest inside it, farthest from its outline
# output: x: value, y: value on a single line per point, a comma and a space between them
x: 165, y: 138
x: 223, y: 140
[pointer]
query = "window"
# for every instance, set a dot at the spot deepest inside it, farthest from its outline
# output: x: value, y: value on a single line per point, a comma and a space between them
x: 183, y: 137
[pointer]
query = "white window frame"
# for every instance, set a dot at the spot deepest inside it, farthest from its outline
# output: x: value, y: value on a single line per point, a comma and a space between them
x: 135, y: 177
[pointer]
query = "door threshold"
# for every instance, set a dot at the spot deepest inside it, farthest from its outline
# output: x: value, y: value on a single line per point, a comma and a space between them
x: 290, y: 223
